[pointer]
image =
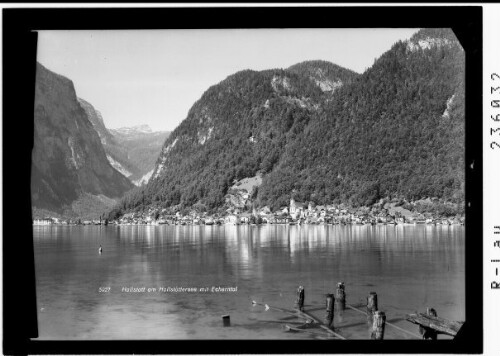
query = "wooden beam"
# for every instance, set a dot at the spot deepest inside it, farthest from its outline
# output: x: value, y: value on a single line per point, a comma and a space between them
x: 387, y: 323
x: 441, y: 325
x: 295, y: 314
x: 295, y: 329
x: 321, y: 325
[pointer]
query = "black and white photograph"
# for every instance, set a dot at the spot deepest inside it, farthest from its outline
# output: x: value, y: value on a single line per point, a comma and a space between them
x: 231, y: 184
x: 223, y: 195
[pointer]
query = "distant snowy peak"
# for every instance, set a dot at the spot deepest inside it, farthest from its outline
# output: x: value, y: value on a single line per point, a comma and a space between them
x: 128, y: 131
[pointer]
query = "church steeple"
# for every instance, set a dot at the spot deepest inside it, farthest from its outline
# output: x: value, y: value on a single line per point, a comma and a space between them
x: 292, y: 205
x: 254, y: 211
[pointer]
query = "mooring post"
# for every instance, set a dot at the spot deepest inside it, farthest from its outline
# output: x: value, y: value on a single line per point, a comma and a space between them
x: 340, y: 297
x: 428, y: 333
x: 378, y: 325
x: 371, y: 307
x: 226, y: 321
x: 300, y: 298
x: 371, y: 303
x: 329, y: 310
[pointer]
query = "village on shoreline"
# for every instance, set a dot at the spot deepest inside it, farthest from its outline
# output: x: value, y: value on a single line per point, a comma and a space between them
x: 295, y: 214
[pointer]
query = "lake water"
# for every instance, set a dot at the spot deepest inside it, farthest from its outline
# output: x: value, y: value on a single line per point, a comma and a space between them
x: 410, y: 268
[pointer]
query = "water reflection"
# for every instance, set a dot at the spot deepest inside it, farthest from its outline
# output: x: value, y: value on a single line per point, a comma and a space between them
x: 411, y: 267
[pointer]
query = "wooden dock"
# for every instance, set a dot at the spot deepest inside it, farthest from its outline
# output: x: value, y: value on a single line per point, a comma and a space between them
x: 343, y: 321
x: 439, y: 325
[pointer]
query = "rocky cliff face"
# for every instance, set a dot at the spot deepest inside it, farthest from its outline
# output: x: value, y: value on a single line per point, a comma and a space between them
x: 327, y: 76
x: 68, y: 158
x: 115, y: 152
x: 140, y: 147
x: 130, y: 150
x: 97, y: 121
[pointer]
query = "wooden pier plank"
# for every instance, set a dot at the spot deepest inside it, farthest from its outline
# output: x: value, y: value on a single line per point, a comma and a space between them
x: 441, y: 325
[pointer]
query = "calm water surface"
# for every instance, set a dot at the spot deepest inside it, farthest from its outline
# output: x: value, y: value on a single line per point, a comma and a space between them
x: 410, y: 268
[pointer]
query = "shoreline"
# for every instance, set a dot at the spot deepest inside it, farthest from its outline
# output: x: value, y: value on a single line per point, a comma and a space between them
x: 263, y: 224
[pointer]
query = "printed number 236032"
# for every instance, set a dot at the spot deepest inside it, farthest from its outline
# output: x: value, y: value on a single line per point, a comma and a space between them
x: 495, y: 104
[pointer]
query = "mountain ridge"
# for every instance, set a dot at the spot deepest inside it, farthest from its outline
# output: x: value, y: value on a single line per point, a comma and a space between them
x: 382, y: 120
x: 68, y: 160
x: 355, y: 144
x: 130, y: 150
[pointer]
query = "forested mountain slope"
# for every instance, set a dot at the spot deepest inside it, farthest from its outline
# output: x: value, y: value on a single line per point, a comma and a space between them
x: 322, y: 133
x: 396, y: 130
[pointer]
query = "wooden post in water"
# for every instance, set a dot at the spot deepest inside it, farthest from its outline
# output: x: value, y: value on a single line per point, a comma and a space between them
x: 371, y: 306
x: 329, y: 311
x: 300, y: 298
x: 340, y: 297
x: 428, y: 333
x: 226, y: 321
x: 378, y: 325
x: 371, y: 303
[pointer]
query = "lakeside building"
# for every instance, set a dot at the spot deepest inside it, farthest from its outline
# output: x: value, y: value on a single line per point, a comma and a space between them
x: 44, y: 221
x: 232, y: 219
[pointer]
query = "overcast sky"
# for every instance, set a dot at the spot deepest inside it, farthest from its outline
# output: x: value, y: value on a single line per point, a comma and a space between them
x: 154, y: 77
